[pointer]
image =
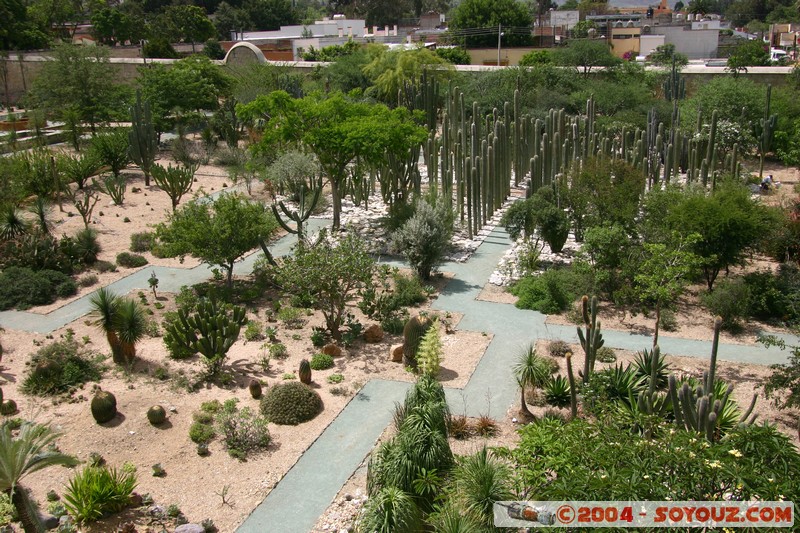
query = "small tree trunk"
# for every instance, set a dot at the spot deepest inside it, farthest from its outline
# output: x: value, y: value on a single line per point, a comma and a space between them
x: 26, y: 512
x: 230, y: 275
x: 337, y: 203
x: 116, y: 349
x: 523, y: 407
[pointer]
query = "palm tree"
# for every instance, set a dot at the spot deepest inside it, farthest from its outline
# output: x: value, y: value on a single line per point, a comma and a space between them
x: 531, y: 370
x: 480, y: 481
x: 29, y: 452
x: 129, y: 323
x: 104, y: 306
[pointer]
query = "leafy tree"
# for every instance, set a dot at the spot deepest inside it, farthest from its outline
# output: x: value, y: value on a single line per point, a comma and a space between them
x: 213, y: 49
x: 330, y: 275
x: 665, y: 54
x: 389, y: 70
x: 455, y: 55
x: 748, y: 54
x: 80, y: 80
x: 663, y: 272
x: 218, y: 232
x: 581, y: 29
x: 159, y: 48
x: 609, y: 250
x: 336, y: 129
x: 111, y: 148
x: 19, y: 30
x: 111, y: 26
x: 190, y: 85
x: 188, y: 24
x: 701, y: 7
x: 490, y: 15
x: 333, y: 52
x: 586, y: 54
x: 740, y: 101
x: 30, y: 450
x: 728, y: 222
x: 785, y: 378
x: 536, y: 57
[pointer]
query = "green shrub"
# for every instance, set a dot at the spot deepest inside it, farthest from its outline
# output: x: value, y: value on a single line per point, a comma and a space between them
x: 88, y: 280
x: 425, y: 237
x: 290, y: 404
x: 292, y: 317
x: 730, y: 300
x: 550, y: 292
x: 668, y: 322
x: 142, y: 242
x: 254, y: 331
x: 98, y: 491
x: 105, y: 266
x: 321, y: 361
x: 23, y: 288
x: 278, y: 351
x: 335, y: 378
x: 129, y: 260
x: 606, y: 355
x: 202, y: 431
x: 243, y: 431
x: 58, y: 367
x: 768, y: 299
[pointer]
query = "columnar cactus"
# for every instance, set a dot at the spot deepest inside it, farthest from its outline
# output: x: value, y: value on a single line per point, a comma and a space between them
x: 414, y: 330
x: 308, y: 201
x: 768, y: 124
x: 590, y: 337
x: 700, y: 410
x: 143, y: 137
x: 255, y: 389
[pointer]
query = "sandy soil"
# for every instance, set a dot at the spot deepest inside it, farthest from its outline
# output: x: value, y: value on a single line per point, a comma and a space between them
x: 192, y: 482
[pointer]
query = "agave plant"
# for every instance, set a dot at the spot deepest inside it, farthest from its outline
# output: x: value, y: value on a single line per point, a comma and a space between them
x: 28, y: 452
x: 557, y: 392
x: 643, y: 363
x: 623, y: 383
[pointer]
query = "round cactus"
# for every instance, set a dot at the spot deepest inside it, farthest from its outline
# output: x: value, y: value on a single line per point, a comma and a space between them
x: 413, y: 332
x: 255, y: 389
x: 8, y: 407
x: 1, y: 394
x: 304, y: 373
x: 156, y: 415
x: 291, y: 404
x: 104, y: 407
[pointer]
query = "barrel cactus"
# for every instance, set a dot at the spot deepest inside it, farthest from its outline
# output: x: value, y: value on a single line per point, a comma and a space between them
x: 304, y: 373
x: 413, y: 332
x: 8, y: 407
x: 255, y: 389
x: 104, y: 407
x: 290, y: 404
x: 156, y: 415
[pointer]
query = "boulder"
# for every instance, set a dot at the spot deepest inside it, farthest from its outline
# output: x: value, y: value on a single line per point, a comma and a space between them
x: 373, y: 334
x: 190, y: 528
x: 396, y: 353
x: 332, y: 350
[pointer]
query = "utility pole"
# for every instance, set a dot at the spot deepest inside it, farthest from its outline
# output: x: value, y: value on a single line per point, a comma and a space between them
x: 499, y: 35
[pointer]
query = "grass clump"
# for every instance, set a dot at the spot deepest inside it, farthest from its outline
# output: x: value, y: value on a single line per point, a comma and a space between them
x: 99, y: 491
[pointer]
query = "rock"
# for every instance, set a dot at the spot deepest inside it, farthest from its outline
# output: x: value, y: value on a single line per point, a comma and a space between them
x: 190, y: 528
x: 396, y: 353
x: 373, y: 334
x: 65, y: 521
x: 332, y: 350
x: 49, y: 521
x: 348, y: 497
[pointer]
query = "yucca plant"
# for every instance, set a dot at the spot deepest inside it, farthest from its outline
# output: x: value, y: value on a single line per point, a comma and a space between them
x: 451, y: 519
x: 104, y: 307
x: 28, y: 452
x: 12, y: 224
x: 390, y: 510
x: 480, y: 480
x: 86, y: 246
x: 97, y: 491
x: 41, y: 213
x: 557, y: 392
x: 130, y: 324
x: 531, y: 370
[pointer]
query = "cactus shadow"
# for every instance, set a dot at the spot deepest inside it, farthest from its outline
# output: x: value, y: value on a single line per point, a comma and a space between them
x: 114, y: 422
x: 445, y: 374
x: 166, y: 424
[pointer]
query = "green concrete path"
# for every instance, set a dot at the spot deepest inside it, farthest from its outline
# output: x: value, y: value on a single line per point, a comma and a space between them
x: 310, y: 486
